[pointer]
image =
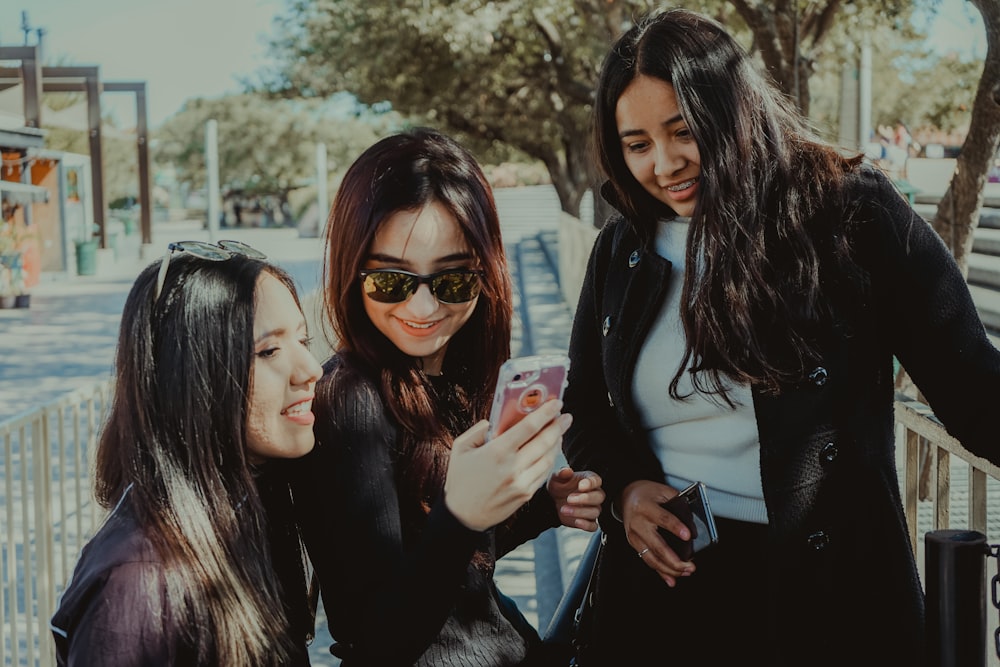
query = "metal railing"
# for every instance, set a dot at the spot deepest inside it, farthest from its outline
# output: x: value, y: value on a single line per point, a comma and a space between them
x: 927, y: 447
x: 47, y: 509
x: 47, y: 513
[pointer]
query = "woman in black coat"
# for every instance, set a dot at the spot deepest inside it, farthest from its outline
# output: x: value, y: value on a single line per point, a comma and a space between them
x: 737, y: 326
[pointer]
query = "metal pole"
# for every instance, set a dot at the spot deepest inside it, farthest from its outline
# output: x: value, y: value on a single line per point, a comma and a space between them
x: 955, y: 567
x: 865, y: 94
x: 212, y: 169
x: 93, y: 87
x: 322, y: 198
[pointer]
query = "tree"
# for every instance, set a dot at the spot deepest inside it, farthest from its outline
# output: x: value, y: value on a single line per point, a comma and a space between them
x: 503, y: 72
x: 958, y: 211
x: 790, y: 35
x: 523, y: 74
x: 120, y: 164
x: 266, y: 147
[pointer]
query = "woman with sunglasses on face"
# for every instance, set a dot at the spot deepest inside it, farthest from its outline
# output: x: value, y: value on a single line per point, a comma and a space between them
x: 737, y: 326
x: 199, y: 561
x: 403, y: 507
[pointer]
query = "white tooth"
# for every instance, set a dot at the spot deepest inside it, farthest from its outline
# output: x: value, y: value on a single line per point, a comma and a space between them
x: 681, y: 186
x: 428, y: 325
x: 299, y: 409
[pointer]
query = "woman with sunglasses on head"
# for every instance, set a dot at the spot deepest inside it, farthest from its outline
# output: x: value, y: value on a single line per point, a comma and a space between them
x: 403, y: 507
x: 199, y: 561
x: 736, y: 327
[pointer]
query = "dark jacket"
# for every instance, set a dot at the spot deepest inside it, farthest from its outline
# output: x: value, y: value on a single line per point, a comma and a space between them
x: 394, y: 597
x: 843, y: 575
x: 114, y: 611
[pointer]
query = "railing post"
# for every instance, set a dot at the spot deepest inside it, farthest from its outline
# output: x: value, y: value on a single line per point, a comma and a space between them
x: 955, y: 567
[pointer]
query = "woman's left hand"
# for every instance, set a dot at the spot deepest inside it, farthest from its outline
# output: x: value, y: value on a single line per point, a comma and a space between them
x: 578, y: 497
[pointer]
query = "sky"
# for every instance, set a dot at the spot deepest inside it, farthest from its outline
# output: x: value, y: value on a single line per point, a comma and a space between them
x: 200, y: 48
x: 181, y: 48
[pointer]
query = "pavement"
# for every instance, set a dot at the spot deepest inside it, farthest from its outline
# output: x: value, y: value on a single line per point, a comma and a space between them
x: 66, y: 340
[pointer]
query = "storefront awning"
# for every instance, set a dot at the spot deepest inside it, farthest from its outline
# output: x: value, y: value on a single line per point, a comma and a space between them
x: 22, y: 193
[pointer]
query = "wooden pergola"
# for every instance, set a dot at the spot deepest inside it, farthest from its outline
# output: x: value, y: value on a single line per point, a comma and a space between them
x: 38, y: 79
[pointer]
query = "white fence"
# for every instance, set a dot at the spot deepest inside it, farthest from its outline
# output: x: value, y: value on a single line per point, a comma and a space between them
x: 47, y: 513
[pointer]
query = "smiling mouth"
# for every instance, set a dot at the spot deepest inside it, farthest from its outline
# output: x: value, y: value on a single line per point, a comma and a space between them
x: 298, y: 409
x: 682, y: 186
x: 419, y: 325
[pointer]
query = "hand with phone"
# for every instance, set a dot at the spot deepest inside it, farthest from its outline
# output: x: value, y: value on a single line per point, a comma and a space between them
x: 523, y: 385
x: 646, y: 522
x: 487, y: 482
x: 692, y: 508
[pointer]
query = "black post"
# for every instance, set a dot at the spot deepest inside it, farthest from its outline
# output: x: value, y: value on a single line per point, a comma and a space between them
x: 955, y: 569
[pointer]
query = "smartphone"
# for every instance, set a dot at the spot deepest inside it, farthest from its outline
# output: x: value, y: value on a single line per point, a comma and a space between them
x: 524, y: 384
x: 691, y: 506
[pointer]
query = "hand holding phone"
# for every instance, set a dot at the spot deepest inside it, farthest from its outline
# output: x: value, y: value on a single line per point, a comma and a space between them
x: 692, y: 508
x: 523, y: 385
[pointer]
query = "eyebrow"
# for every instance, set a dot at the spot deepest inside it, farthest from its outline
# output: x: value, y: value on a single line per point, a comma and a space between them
x: 631, y: 133
x: 278, y: 331
x: 390, y: 259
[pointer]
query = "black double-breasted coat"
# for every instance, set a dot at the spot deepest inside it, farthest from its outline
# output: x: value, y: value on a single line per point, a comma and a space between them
x: 844, y: 587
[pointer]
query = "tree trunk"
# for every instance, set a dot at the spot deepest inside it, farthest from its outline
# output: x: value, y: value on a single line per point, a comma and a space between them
x: 570, y: 177
x: 957, y: 214
x: 958, y: 211
x: 786, y: 37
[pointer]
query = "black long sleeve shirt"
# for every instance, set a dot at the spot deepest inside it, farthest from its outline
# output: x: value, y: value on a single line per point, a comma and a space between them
x: 390, y: 599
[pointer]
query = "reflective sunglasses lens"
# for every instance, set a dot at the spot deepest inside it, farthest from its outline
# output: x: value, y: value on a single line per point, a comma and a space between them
x: 242, y: 249
x: 202, y: 250
x: 389, y: 286
x: 457, y: 287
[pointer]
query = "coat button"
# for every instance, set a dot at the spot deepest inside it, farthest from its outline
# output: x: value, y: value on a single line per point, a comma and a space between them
x: 607, y: 325
x: 818, y: 376
x: 633, y: 259
x: 818, y: 540
x: 829, y: 453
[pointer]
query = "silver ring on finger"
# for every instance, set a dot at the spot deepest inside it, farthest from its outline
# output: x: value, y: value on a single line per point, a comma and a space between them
x: 643, y: 552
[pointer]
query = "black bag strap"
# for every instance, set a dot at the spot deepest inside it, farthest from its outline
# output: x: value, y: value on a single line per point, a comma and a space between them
x: 562, y: 627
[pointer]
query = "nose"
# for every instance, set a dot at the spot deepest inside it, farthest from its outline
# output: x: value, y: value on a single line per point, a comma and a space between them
x: 423, y: 303
x: 307, y: 369
x: 668, y: 162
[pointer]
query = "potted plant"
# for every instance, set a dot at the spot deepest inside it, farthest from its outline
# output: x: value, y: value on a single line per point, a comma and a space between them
x: 13, y: 291
x: 10, y: 265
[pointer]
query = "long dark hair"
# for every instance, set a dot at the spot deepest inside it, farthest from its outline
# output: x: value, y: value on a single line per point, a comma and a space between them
x: 752, y: 283
x: 176, y: 440
x: 406, y: 172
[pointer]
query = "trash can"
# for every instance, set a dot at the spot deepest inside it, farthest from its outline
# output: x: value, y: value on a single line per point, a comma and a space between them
x: 86, y: 257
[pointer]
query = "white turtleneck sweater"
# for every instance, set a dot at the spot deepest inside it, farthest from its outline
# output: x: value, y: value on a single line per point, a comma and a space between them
x: 696, y: 439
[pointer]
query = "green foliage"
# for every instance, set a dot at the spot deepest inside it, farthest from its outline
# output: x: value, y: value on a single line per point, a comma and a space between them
x: 493, y: 73
x: 911, y: 84
x: 265, y: 146
x: 121, y: 161
x: 509, y: 77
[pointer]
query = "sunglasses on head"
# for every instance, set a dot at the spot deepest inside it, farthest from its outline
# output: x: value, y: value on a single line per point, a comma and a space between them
x: 396, y: 286
x: 214, y: 252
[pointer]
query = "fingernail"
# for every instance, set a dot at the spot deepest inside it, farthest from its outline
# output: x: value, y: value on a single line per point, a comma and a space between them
x: 565, y: 420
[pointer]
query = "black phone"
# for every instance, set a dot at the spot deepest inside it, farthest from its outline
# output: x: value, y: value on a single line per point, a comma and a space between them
x: 691, y: 506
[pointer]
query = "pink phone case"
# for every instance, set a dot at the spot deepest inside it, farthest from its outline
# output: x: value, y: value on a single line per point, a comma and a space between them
x: 523, y: 385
